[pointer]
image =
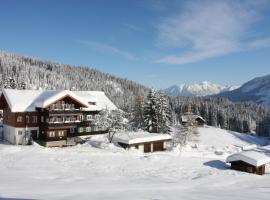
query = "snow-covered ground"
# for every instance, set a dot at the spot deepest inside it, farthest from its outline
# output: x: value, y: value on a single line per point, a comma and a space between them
x: 98, y: 170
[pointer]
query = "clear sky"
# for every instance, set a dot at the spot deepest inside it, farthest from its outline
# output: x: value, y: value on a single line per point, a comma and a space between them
x: 154, y: 42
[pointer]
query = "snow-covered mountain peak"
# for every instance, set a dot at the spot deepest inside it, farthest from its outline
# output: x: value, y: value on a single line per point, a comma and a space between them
x: 197, y: 89
x: 256, y: 90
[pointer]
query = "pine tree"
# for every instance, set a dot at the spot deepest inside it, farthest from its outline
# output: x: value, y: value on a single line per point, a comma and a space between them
x: 164, y: 114
x: 150, y: 114
x: 157, y: 115
x: 137, y: 112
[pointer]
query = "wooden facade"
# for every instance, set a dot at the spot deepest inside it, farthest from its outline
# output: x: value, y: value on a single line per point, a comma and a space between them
x: 199, y: 122
x: 246, y: 167
x: 58, y: 121
x: 147, y: 147
x: 192, y: 120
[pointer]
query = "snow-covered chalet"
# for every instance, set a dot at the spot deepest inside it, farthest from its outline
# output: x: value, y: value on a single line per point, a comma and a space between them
x: 52, y: 118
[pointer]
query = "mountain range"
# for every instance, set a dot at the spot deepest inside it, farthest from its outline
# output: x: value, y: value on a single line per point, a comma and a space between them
x: 204, y: 88
x: 257, y: 90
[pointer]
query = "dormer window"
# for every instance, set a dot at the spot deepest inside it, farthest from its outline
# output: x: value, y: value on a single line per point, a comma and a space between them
x: 19, y: 119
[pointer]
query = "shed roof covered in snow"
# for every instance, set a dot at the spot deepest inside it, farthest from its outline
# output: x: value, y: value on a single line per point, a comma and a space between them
x: 251, y: 157
x: 140, y: 137
x: 28, y: 100
x: 186, y: 118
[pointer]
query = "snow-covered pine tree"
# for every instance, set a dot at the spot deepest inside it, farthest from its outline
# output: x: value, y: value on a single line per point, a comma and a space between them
x: 263, y: 127
x: 22, y: 86
x: 113, y: 121
x: 150, y: 113
x: 157, y: 115
x: 164, y: 114
x: 12, y: 83
x: 137, y: 111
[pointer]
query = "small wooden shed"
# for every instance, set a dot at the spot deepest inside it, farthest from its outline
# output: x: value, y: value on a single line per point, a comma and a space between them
x: 195, y: 120
x: 249, y: 161
x: 145, y: 142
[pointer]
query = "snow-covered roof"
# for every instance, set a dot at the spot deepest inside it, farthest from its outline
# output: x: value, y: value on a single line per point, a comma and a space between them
x: 28, y: 100
x: 102, y: 101
x: 251, y: 157
x: 199, y: 117
x: 140, y: 137
x: 186, y: 118
x: 56, y: 95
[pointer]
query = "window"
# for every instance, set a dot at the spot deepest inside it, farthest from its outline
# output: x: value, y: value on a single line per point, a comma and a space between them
x: 20, y: 132
x: 72, y: 118
x: 88, y: 117
x: 93, y: 128
x: 51, y: 134
x: 72, y: 106
x: 59, y: 119
x: 34, y: 119
x: 61, y: 133
x: 88, y: 129
x: 67, y: 119
x: 27, y: 119
x: 92, y: 103
x: 80, y: 118
x: 80, y: 129
x: 19, y: 119
x: 42, y: 119
x: 71, y: 130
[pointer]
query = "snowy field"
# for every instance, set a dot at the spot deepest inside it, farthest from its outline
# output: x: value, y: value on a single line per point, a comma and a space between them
x: 98, y: 170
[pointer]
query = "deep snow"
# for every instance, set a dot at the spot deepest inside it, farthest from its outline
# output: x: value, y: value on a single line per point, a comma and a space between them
x: 98, y: 170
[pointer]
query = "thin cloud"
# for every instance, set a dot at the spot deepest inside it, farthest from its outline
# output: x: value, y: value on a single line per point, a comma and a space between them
x: 108, y: 48
x: 208, y: 29
x: 134, y: 27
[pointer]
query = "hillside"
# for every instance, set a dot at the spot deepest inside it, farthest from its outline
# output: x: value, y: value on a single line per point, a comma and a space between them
x: 256, y: 90
x: 103, y: 171
x: 211, y: 142
x: 197, y: 89
x: 38, y: 74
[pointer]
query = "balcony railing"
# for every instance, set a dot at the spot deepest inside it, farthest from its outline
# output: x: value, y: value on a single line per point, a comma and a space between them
x: 92, y: 132
x: 59, y: 111
x: 64, y: 124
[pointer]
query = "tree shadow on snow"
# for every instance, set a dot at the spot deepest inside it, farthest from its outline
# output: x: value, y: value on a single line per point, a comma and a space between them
x: 252, y: 139
x: 5, y: 198
x: 217, y: 164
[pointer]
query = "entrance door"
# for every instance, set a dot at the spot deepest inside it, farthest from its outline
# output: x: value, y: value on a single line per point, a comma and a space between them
x: 147, y: 148
x: 158, y: 146
x: 34, y: 134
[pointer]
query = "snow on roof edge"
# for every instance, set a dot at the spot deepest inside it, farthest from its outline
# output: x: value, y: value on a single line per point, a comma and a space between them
x: 251, y: 157
x: 142, y: 139
x: 28, y: 100
x: 58, y: 96
x: 7, y: 99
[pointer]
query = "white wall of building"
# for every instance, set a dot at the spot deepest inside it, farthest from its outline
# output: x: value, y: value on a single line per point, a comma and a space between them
x: 141, y: 147
x: 11, y: 134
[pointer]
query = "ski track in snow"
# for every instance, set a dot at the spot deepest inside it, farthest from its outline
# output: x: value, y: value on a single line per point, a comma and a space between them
x: 109, y: 172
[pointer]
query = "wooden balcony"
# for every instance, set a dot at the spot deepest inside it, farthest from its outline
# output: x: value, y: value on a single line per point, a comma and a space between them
x: 59, y: 125
x: 84, y: 133
x: 60, y: 112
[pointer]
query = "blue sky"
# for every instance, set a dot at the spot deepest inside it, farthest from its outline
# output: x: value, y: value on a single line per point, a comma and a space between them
x: 154, y: 42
